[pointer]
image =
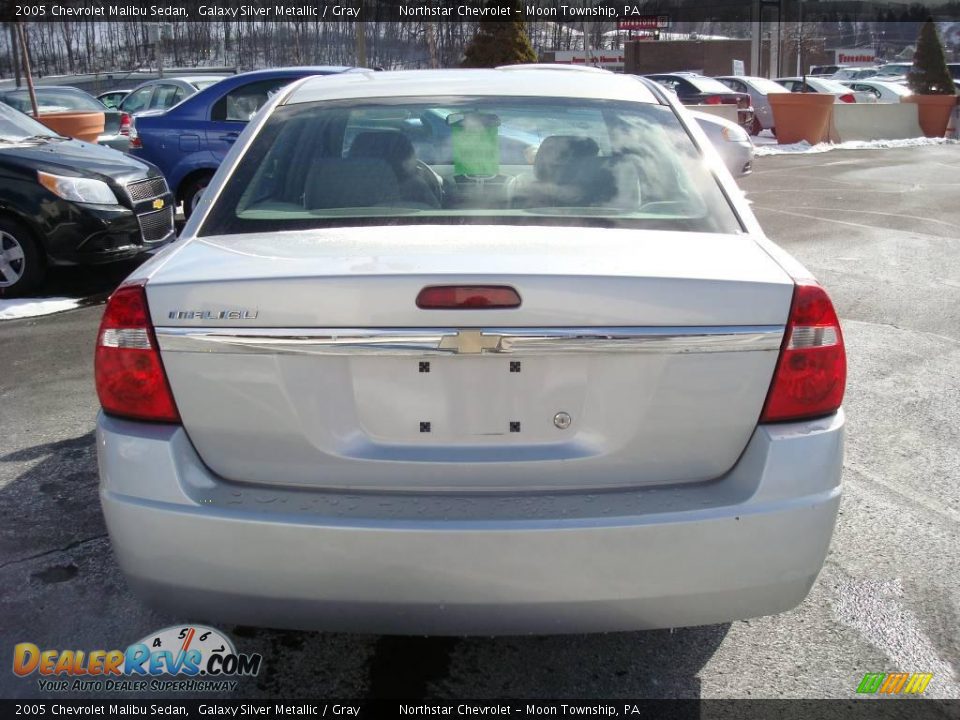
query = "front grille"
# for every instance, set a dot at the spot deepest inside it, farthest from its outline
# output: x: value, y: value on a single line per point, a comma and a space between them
x: 146, y: 189
x: 156, y: 226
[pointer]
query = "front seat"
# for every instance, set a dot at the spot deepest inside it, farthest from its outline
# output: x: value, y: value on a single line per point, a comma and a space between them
x: 568, y: 172
x: 418, y: 183
x: 556, y: 169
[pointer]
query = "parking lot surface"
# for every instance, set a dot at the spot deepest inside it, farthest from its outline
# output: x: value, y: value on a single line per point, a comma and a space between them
x: 880, y: 229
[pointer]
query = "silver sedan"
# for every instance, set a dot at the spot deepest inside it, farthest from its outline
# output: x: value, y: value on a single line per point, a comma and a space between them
x: 485, y: 394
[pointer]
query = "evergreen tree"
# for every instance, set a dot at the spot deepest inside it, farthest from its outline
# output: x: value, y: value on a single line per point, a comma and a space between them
x: 929, y: 75
x: 503, y: 42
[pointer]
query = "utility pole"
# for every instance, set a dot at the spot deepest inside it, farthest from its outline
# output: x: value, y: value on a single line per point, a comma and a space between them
x: 26, y: 69
x: 800, y: 40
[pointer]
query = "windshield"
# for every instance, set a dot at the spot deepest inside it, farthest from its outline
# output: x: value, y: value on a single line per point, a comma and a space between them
x: 14, y: 125
x: 895, y: 69
x: 537, y: 161
x: 53, y: 100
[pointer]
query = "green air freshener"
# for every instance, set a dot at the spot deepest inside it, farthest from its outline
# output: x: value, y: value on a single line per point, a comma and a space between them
x: 476, y: 147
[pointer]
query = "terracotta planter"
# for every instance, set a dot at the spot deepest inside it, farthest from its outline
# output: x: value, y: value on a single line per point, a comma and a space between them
x: 86, y: 126
x: 933, y: 111
x: 801, y: 116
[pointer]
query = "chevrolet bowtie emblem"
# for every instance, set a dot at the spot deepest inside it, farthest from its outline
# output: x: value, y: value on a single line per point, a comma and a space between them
x: 470, y: 342
x: 158, y: 204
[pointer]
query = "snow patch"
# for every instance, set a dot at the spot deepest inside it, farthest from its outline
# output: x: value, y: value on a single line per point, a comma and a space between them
x: 32, y: 307
x: 806, y: 148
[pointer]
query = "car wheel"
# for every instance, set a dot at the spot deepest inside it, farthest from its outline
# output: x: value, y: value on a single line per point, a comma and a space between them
x: 756, y: 126
x: 22, y: 264
x: 193, y: 192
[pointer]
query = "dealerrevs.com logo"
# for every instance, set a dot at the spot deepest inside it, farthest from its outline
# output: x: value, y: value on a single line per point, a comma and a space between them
x: 199, y: 658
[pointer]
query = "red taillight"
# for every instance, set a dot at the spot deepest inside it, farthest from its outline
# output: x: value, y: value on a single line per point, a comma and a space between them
x: 129, y: 373
x: 848, y: 98
x: 135, y: 141
x: 712, y: 100
x: 124, y: 124
x: 811, y: 372
x: 467, y: 297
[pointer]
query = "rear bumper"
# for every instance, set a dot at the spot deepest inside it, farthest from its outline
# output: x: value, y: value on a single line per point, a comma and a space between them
x: 748, y: 544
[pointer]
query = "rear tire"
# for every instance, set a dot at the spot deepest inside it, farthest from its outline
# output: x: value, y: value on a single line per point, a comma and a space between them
x: 22, y: 263
x: 192, y: 192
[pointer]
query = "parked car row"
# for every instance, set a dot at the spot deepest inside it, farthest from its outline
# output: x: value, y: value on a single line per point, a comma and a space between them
x: 184, y: 143
x: 895, y: 72
x: 750, y: 93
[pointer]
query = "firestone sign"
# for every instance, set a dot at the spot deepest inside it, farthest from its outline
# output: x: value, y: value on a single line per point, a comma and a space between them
x: 645, y: 22
x: 856, y: 56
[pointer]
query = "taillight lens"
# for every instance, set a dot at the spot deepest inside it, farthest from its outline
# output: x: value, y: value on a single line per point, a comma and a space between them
x: 124, y: 124
x: 129, y: 374
x: 712, y: 100
x: 848, y: 98
x: 467, y: 297
x: 135, y: 141
x: 811, y: 372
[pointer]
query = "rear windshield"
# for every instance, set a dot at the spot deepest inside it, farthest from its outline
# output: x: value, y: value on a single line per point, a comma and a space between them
x: 53, y: 100
x: 536, y: 161
x: 767, y: 86
x: 705, y: 84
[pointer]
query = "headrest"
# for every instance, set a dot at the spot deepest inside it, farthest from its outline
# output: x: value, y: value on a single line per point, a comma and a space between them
x: 559, y: 154
x: 389, y: 145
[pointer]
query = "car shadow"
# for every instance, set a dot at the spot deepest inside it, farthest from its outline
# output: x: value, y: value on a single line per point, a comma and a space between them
x: 55, y: 555
x: 93, y: 283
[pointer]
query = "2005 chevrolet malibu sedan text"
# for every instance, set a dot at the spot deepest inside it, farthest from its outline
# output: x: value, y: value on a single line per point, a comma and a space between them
x: 553, y: 380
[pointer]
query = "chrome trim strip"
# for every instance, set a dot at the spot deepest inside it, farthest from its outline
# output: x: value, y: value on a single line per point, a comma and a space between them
x: 453, y: 341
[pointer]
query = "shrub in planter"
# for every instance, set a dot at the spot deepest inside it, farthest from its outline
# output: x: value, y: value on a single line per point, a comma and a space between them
x: 931, y: 83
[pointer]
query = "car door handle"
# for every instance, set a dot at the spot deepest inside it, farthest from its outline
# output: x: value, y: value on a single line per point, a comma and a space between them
x: 230, y: 137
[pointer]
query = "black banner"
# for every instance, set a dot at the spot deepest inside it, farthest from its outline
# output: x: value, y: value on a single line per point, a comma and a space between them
x: 876, y: 709
x: 626, y: 14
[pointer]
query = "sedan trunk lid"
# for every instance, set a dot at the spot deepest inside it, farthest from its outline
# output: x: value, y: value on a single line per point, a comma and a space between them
x: 635, y: 357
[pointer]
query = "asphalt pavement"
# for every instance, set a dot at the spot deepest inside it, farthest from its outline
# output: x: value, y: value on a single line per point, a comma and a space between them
x: 881, y: 229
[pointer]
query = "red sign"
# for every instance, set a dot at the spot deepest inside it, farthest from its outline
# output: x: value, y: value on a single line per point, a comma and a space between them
x: 645, y: 22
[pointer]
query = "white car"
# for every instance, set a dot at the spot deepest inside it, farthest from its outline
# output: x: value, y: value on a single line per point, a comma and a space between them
x: 582, y: 392
x: 731, y: 141
x: 884, y: 92
x: 758, y: 88
x: 825, y: 85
